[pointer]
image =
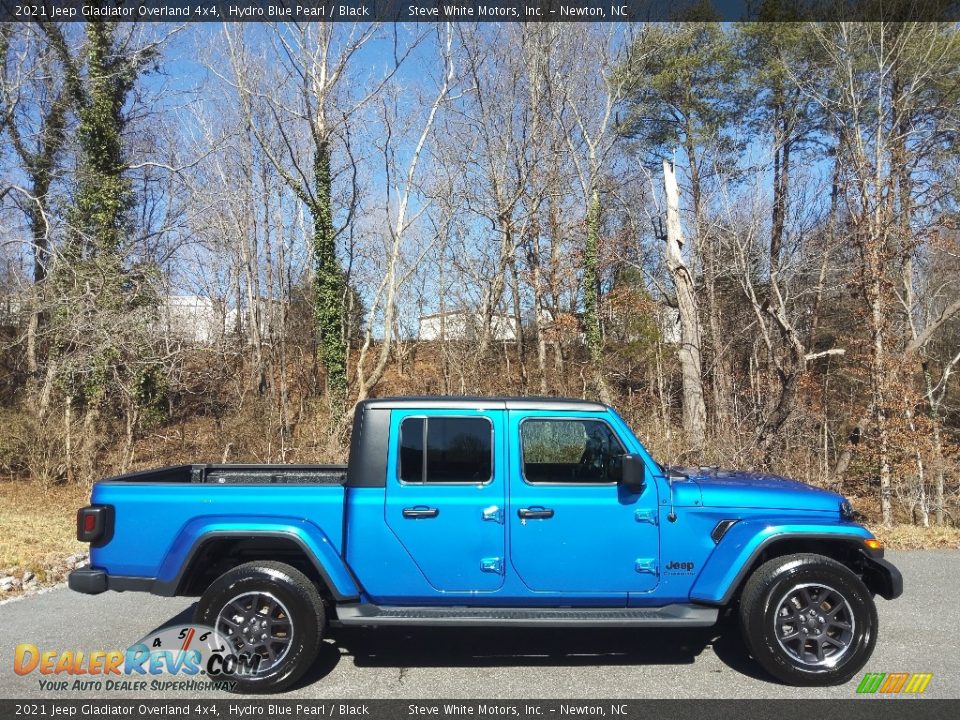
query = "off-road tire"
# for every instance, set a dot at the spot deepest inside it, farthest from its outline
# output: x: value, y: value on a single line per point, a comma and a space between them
x: 295, y: 593
x: 768, y: 606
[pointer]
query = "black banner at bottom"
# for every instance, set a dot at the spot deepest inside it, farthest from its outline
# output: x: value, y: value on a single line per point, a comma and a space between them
x: 854, y: 709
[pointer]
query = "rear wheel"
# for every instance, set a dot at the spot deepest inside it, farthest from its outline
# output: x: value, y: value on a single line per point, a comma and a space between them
x: 808, y: 620
x: 269, y: 610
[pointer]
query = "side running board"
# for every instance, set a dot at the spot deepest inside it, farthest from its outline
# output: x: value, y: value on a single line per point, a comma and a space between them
x: 667, y: 616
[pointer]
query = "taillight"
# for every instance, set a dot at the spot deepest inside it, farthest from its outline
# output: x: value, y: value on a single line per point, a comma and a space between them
x: 94, y: 524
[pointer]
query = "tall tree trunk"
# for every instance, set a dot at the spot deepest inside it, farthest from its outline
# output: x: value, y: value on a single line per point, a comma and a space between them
x: 591, y: 294
x: 790, y: 371
x: 249, y: 267
x: 39, y: 231
x: 33, y: 325
x: 68, y: 436
x: 707, y: 255
x: 88, y: 447
x: 328, y: 284
x: 923, y: 502
x: 493, y: 292
x: 878, y: 382
x: 539, y: 308
x: 442, y: 309
x: 694, y: 409
x: 518, y: 323
x: 933, y: 409
x: 554, y: 282
x: 781, y: 188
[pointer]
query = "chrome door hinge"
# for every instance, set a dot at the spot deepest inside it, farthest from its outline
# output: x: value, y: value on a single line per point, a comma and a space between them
x: 492, y: 565
x: 646, y: 565
x: 645, y: 515
x: 493, y: 513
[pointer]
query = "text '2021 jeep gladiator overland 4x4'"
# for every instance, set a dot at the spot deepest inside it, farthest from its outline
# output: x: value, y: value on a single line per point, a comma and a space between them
x: 492, y: 511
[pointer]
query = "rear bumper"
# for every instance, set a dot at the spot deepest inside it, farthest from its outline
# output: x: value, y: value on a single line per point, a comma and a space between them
x: 88, y: 581
x: 92, y: 581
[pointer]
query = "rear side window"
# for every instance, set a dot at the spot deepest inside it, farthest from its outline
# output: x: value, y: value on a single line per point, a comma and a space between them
x: 411, y: 449
x: 570, y: 451
x: 446, y: 450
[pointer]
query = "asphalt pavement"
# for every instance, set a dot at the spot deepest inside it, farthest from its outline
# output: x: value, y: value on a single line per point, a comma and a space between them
x: 919, y: 632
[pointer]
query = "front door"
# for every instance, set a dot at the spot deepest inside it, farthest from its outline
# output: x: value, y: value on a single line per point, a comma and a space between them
x: 445, y: 502
x: 573, y: 528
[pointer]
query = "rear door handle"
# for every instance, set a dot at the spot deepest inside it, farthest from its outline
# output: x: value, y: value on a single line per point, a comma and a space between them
x: 535, y: 513
x: 421, y: 511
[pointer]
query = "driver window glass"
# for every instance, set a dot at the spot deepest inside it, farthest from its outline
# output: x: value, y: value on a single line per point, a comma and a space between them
x: 570, y: 451
x: 457, y: 450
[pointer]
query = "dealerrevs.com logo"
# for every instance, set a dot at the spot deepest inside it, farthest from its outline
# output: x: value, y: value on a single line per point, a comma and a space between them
x: 184, y: 657
x: 894, y: 683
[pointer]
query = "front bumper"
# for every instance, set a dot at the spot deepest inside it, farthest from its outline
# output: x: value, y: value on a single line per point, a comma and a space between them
x: 883, y: 578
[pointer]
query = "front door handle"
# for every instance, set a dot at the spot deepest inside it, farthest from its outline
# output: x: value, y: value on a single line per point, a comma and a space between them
x: 419, y: 512
x: 535, y: 513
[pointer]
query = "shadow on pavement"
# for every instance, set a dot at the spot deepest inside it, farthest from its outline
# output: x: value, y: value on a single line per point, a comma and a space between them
x: 183, y: 617
x: 521, y: 647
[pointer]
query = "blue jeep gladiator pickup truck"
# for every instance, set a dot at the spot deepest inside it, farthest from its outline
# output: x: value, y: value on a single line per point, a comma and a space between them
x: 493, y: 511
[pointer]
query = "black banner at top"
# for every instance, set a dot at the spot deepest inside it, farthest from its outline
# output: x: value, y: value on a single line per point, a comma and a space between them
x: 477, y: 10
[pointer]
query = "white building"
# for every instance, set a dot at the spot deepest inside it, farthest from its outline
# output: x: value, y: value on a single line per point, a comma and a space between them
x: 11, y: 310
x: 196, y: 319
x: 465, y: 324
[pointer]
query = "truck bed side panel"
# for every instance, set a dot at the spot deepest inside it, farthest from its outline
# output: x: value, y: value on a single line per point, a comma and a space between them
x: 157, y: 526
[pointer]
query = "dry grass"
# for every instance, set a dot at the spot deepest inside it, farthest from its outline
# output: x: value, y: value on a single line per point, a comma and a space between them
x: 39, y: 527
x: 914, y: 537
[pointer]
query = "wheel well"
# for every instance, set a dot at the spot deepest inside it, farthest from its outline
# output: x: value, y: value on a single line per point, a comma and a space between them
x: 845, y: 552
x: 216, y: 556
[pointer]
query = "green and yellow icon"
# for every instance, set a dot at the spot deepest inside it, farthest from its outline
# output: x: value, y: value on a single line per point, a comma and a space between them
x: 894, y: 683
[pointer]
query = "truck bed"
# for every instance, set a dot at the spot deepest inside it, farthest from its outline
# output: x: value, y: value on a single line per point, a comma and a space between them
x: 239, y: 475
x: 159, y: 520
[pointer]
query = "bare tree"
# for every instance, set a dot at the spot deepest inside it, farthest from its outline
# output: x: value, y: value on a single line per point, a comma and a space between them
x: 694, y: 409
x: 35, y: 103
x: 881, y: 72
x: 591, y: 148
x: 319, y: 60
x: 401, y: 216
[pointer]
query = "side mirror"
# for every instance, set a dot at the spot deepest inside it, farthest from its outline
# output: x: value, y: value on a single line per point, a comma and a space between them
x: 634, y: 474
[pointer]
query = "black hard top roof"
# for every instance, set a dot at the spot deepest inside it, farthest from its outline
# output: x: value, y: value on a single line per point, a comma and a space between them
x: 427, y: 402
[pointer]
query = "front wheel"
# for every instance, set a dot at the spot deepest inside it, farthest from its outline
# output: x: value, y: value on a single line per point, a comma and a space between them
x: 808, y: 620
x: 270, y: 611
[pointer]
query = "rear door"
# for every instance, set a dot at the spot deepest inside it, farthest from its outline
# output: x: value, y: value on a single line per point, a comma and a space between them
x: 446, y: 493
x: 573, y: 528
